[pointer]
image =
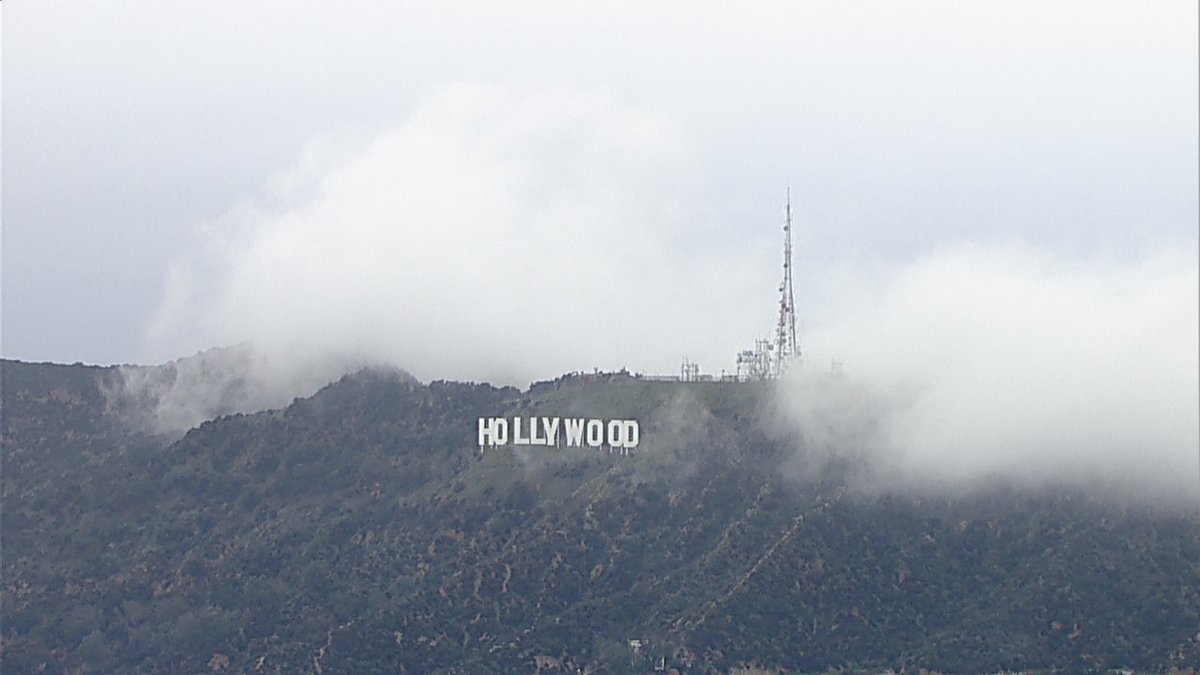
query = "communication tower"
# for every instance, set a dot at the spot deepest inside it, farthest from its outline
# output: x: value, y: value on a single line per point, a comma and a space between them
x: 786, y: 348
x: 755, y: 364
x: 772, y: 358
x: 690, y: 372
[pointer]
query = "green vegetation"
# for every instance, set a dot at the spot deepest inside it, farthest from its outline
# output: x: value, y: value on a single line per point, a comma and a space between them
x: 361, y: 530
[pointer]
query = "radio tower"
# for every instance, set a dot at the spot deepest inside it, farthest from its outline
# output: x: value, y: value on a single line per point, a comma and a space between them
x: 787, y: 348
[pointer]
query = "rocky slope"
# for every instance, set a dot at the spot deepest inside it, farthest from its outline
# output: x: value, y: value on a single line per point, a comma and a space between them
x: 361, y: 530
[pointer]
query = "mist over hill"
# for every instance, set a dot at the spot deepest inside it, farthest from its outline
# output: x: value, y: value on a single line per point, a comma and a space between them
x: 360, y: 529
x: 171, y: 398
x: 975, y: 362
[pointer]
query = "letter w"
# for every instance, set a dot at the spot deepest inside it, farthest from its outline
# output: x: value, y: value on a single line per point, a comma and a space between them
x: 574, y: 429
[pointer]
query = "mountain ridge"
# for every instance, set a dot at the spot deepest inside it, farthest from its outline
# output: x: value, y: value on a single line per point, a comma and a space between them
x: 360, y: 529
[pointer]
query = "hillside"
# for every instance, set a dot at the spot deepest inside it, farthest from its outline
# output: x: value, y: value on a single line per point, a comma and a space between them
x: 361, y: 530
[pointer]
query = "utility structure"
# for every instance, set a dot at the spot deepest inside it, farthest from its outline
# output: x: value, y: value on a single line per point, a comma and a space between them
x: 756, y: 364
x: 787, y: 347
x: 771, y: 358
x: 690, y: 371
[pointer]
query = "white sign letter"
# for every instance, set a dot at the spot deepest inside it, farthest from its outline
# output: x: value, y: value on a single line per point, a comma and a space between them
x: 633, y: 433
x: 484, y: 432
x: 517, y: 438
x: 534, y: 439
x: 574, y: 432
x: 595, y: 433
x: 551, y: 426
x: 616, y: 434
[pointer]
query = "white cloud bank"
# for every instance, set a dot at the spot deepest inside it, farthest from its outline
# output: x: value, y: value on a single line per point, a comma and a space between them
x: 171, y: 398
x: 508, y: 233
x: 1005, y: 362
x: 502, y: 233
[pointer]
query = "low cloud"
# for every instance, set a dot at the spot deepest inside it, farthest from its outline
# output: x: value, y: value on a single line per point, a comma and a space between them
x: 171, y: 398
x: 983, y: 363
x: 509, y: 233
x: 502, y: 233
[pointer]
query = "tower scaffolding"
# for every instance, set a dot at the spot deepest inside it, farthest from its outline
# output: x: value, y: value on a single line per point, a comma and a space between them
x: 787, y: 347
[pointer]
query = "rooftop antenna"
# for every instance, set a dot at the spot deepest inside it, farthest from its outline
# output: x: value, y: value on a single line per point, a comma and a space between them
x: 787, y: 348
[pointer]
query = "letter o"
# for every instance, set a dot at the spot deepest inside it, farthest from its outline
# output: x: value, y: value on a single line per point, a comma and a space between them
x: 595, y: 433
x: 616, y: 434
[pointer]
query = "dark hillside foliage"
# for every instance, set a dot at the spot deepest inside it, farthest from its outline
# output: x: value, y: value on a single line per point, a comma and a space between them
x: 361, y: 530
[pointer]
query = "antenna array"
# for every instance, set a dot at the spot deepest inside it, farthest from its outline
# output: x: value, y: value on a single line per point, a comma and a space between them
x: 787, y: 348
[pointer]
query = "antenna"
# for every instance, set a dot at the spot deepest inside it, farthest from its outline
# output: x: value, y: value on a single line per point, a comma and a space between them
x: 787, y: 348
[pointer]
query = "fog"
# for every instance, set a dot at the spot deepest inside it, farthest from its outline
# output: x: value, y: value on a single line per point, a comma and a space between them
x: 508, y: 233
x: 501, y: 233
x: 1001, y: 362
x: 171, y: 398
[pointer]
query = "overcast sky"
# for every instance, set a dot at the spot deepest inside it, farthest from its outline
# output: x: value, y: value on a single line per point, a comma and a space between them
x: 466, y: 190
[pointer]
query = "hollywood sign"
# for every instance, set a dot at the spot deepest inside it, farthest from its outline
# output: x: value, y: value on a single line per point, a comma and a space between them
x: 572, y: 432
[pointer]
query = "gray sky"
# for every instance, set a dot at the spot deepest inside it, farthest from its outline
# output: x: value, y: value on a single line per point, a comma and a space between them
x: 468, y: 190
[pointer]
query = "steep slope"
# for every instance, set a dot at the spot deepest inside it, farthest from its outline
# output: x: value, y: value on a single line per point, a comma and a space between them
x: 361, y: 530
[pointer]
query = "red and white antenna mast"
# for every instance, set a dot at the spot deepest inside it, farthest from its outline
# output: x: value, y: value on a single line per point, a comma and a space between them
x: 787, y: 348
